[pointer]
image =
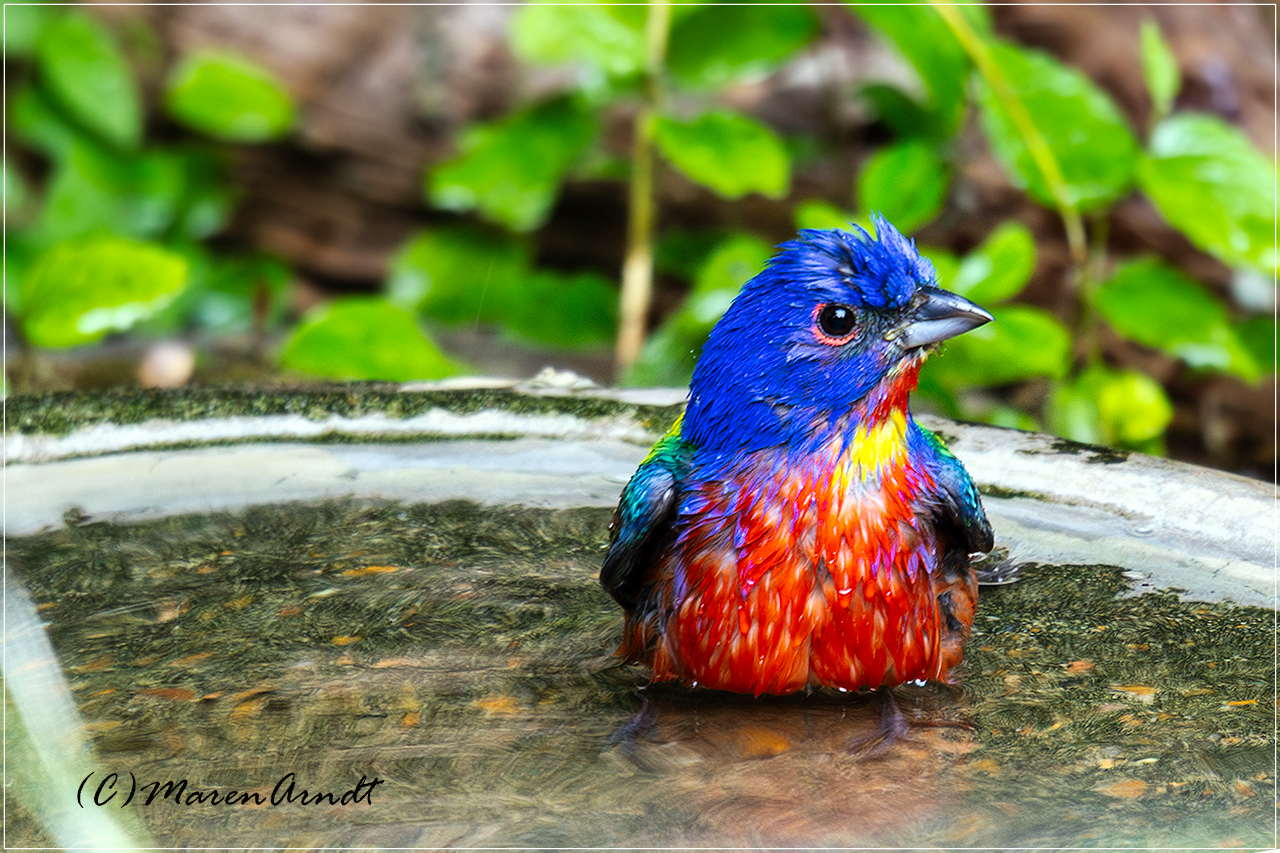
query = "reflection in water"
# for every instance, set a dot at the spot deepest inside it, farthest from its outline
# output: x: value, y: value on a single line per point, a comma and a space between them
x: 45, y: 748
x: 779, y: 771
x: 463, y: 656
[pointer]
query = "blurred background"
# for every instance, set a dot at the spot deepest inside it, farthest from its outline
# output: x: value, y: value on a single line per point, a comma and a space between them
x: 290, y: 194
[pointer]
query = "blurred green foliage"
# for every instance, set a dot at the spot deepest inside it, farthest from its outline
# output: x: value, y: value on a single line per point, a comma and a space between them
x: 1096, y: 156
x: 355, y: 337
x: 906, y: 182
x: 729, y: 153
x: 81, y: 289
x: 228, y: 97
x: 116, y: 236
x: 462, y: 276
x: 510, y: 170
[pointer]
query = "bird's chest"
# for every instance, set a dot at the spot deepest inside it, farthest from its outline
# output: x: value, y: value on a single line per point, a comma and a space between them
x: 825, y: 521
x: 820, y: 572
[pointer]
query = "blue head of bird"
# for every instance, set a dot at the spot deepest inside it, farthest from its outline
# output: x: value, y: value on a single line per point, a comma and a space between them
x: 833, y: 315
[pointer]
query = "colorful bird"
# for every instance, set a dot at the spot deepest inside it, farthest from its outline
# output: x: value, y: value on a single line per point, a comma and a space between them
x: 796, y: 528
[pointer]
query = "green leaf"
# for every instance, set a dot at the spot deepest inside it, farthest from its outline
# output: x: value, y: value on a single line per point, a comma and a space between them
x: 1208, y: 180
x: 510, y: 171
x: 227, y: 294
x: 717, y: 44
x: 80, y: 198
x: 555, y: 34
x: 569, y: 310
x: 23, y: 25
x: 727, y: 152
x: 1159, y: 68
x: 40, y: 124
x: 229, y: 97
x: 901, y: 112
x: 15, y: 191
x: 207, y: 197
x: 364, y: 337
x: 668, y: 356
x: 998, y: 269
x: 1022, y: 343
x: 1258, y: 335
x: 79, y: 291
x: 928, y: 44
x: 906, y: 183
x: 1116, y: 407
x: 681, y: 252
x: 1089, y: 139
x: 94, y: 189
x: 85, y: 71
x: 458, y: 275
x: 19, y: 255
x: 1133, y: 407
x: 1159, y: 307
x: 736, y: 259
x: 462, y: 275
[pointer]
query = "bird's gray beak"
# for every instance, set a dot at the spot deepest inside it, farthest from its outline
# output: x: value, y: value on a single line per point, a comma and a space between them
x: 941, y: 315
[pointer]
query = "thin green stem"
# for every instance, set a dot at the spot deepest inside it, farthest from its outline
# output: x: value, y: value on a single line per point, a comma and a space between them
x: 1089, y: 326
x: 1037, y: 146
x: 637, y: 267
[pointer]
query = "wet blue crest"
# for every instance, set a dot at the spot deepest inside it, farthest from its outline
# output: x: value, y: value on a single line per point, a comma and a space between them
x: 882, y: 270
x: 763, y: 375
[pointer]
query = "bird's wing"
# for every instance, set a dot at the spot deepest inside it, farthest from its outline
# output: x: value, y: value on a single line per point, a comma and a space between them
x: 644, y: 514
x: 958, y: 504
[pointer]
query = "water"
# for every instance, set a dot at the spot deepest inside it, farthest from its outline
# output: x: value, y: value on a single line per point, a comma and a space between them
x: 462, y: 656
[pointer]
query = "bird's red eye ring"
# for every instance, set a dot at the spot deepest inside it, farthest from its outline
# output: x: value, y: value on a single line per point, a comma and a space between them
x: 835, y: 324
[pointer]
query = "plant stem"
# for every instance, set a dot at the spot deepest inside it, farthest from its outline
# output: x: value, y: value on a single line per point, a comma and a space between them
x: 637, y: 267
x: 1090, y: 277
x: 1038, y: 148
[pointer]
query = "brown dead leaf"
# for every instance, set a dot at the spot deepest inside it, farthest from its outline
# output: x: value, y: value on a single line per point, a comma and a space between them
x: 1125, y: 789
x: 1142, y: 692
x: 497, y: 705
x: 369, y: 570
x: 190, y: 659
x: 173, y: 694
x: 248, y: 708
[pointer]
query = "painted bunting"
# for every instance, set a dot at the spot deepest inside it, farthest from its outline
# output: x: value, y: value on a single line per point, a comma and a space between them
x: 796, y: 527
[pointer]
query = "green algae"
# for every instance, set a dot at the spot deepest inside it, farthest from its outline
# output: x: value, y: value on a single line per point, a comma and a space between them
x: 1095, y: 453
x: 61, y: 413
x: 990, y: 490
x: 463, y: 654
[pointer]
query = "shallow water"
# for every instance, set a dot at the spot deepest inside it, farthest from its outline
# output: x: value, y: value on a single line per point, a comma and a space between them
x: 462, y: 656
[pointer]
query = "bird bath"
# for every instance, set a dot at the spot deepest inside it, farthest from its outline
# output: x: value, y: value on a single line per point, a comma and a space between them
x: 390, y: 594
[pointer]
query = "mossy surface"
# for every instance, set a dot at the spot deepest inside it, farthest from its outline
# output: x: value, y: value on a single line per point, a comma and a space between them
x: 463, y: 655
x: 1096, y: 453
x: 61, y: 413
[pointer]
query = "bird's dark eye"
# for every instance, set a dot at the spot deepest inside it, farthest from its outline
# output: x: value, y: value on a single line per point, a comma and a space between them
x: 836, y: 321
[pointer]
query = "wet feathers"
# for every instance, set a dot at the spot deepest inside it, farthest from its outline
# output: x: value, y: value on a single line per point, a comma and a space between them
x: 796, y: 527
